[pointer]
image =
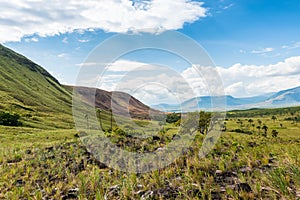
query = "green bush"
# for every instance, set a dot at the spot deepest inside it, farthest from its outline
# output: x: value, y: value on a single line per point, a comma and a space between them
x: 8, y: 119
x: 173, y: 117
x: 119, y: 131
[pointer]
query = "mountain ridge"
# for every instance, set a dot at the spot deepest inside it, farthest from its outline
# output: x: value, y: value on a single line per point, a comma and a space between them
x: 28, y: 89
x: 283, y: 98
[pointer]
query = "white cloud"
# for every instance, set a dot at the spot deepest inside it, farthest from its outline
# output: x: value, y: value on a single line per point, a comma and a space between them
x: 47, y: 18
x: 152, y: 84
x: 33, y: 39
x: 250, y: 80
x: 228, y: 6
x: 83, y: 41
x: 142, y: 80
x: 65, y: 40
x: 261, y: 51
x: 247, y: 80
x: 127, y: 66
x: 86, y: 64
x: 295, y: 45
x: 62, y: 55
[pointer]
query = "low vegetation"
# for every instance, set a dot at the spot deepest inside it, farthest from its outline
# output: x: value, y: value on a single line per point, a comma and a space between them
x: 8, y: 119
x: 54, y: 164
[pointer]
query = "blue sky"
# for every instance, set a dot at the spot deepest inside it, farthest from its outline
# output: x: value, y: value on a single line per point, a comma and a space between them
x: 242, y: 37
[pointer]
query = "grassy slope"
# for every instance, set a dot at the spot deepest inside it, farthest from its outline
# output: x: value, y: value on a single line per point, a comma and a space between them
x: 29, y: 90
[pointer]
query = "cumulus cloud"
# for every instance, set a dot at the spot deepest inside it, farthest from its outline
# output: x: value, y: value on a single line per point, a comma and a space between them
x: 250, y: 80
x: 154, y: 84
x: 47, y: 18
x: 148, y: 82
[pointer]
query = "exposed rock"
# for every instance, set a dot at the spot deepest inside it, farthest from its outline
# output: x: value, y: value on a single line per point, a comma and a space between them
x: 28, y: 151
x: 245, y: 170
x: 243, y: 187
x: 148, y: 195
x: 164, y: 193
x: 266, y: 167
x: 219, y: 172
x: 222, y: 189
x: 49, y: 149
x: 19, y: 183
x: 268, y: 190
x: 298, y: 194
x: 258, y: 162
x: 160, y: 149
x: 155, y: 138
x: 176, y: 137
x: 252, y: 144
x: 16, y: 160
x: 113, y: 191
x: 272, y: 160
x: 216, y: 195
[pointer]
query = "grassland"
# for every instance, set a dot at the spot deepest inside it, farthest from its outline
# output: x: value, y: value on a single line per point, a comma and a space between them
x: 54, y: 164
x: 30, y: 91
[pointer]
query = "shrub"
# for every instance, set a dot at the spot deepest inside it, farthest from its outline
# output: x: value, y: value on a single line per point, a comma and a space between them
x: 274, y: 133
x: 8, y: 119
x: 119, y: 131
x: 243, y: 131
x: 173, y: 117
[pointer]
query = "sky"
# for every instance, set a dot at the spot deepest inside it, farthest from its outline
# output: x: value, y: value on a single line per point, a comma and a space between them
x: 254, y: 44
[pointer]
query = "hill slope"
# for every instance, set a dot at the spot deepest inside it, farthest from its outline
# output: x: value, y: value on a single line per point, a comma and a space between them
x: 29, y: 90
x: 122, y: 103
x: 285, y: 97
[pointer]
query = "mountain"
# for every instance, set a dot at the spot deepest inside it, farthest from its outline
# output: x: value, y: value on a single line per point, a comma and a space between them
x: 284, y: 98
x: 29, y: 90
x: 121, y: 103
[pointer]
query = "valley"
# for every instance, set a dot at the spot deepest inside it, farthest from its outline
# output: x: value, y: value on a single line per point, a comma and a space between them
x: 44, y: 157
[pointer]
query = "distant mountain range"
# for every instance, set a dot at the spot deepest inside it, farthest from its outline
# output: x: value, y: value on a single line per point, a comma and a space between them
x: 284, y: 98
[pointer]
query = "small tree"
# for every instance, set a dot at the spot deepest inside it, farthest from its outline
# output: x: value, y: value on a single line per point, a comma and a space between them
x: 265, y: 128
x: 223, y: 127
x: 100, y: 119
x: 253, y: 127
x: 258, y: 128
x: 240, y: 123
x: 250, y: 121
x: 274, y: 133
x: 259, y: 122
x: 86, y: 116
x: 204, y: 122
x: 274, y: 118
x: 173, y: 117
x: 111, y: 119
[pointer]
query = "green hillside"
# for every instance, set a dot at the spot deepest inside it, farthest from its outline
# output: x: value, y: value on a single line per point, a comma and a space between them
x: 30, y: 91
x: 42, y: 102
